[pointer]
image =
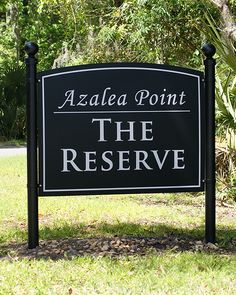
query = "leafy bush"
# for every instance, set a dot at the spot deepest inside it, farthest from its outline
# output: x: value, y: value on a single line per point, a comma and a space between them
x: 225, y: 109
x: 12, y: 103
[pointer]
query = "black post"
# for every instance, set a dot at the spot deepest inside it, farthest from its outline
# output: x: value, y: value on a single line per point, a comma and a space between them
x: 33, y: 232
x: 210, y: 213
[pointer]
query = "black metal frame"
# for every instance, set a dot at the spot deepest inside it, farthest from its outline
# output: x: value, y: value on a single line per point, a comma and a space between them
x: 32, y: 163
x: 210, y: 212
x: 32, y: 178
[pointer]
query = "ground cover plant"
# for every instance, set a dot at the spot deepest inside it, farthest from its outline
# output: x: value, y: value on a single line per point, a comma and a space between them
x: 132, y: 244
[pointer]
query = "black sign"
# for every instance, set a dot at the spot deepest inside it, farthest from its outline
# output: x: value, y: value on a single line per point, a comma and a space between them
x: 121, y: 128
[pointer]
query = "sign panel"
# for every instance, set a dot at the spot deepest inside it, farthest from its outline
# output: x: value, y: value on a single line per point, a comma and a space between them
x: 120, y: 128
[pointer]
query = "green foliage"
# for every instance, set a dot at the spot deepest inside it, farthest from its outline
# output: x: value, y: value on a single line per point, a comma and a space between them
x: 71, y: 32
x: 225, y: 82
x: 147, y: 31
x: 12, y: 103
x: 232, y: 5
x: 225, y: 107
x: 75, y: 31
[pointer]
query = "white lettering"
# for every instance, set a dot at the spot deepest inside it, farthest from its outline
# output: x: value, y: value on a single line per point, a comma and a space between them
x: 94, y: 100
x: 89, y: 161
x: 130, y: 131
x: 178, y: 159
x: 153, y: 99
x: 140, y: 96
x: 122, y: 160
x: 103, y: 103
x: 145, y: 131
x: 107, y: 160
x: 122, y: 100
x: 171, y: 99
x: 181, y: 98
x: 127, y: 160
x: 67, y: 161
x: 101, y: 127
x: 82, y: 102
x: 139, y: 161
x: 159, y: 162
x: 69, y: 99
x: 144, y: 97
x: 111, y: 100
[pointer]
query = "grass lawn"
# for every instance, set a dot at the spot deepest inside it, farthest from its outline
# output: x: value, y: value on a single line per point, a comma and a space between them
x: 187, y: 266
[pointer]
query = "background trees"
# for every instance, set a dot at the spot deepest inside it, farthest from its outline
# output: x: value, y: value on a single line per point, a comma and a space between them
x: 223, y: 35
x: 86, y: 30
x: 71, y: 32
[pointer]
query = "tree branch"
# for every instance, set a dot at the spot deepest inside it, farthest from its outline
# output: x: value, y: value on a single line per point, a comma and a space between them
x: 229, y: 25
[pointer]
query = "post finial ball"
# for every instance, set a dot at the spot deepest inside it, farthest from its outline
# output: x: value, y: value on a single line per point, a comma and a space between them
x: 209, y: 50
x: 31, y: 48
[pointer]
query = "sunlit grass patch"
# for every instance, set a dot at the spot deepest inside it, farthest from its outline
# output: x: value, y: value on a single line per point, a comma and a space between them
x: 167, y: 271
x: 188, y: 273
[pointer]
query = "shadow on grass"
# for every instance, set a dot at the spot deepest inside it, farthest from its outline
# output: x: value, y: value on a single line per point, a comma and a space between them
x: 118, y: 239
x: 224, y: 234
x: 118, y: 229
x: 192, y: 199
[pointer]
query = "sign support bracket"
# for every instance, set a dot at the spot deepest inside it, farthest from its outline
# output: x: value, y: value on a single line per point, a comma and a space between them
x: 210, y: 180
x: 32, y: 177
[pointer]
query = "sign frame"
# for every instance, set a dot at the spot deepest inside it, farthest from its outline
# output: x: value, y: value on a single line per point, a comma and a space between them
x: 96, y: 71
x: 33, y: 182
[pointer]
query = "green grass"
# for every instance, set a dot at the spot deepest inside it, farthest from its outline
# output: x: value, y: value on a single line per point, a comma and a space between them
x: 13, y: 143
x: 166, y: 272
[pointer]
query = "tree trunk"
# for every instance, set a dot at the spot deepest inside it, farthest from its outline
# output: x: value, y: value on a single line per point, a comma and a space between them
x: 229, y: 26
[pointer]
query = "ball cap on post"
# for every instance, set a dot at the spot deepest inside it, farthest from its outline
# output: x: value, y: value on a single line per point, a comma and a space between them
x: 209, y: 50
x: 31, y: 48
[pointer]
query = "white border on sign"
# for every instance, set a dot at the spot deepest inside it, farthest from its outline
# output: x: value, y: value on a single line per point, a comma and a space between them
x: 45, y: 190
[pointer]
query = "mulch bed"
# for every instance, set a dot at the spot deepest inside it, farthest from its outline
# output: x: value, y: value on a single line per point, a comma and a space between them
x: 111, y: 247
